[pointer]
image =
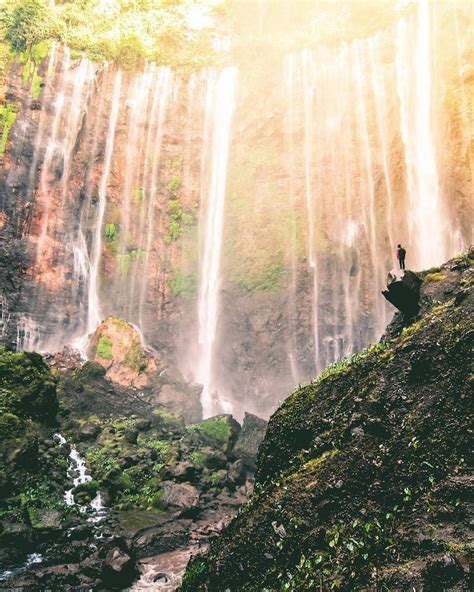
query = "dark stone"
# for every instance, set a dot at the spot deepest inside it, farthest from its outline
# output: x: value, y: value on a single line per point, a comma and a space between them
x: 214, y: 459
x: 442, y: 573
x: 88, y: 431
x: 183, y: 471
x: 183, y: 496
x: 119, y: 569
x: 249, y: 439
x: 404, y: 294
x: 237, y: 473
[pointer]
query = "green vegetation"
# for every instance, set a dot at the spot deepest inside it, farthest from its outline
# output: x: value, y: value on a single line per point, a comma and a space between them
x: 434, y: 277
x: 136, y: 486
x: 174, y: 185
x: 179, y: 221
x: 215, y: 431
x: 104, y: 348
x: 138, y: 195
x: 168, y: 421
x: 8, y: 114
x: 31, y: 59
x: 126, y: 32
x: 135, y: 358
x: 110, y: 232
x: 184, y: 285
x: 260, y: 214
x: 27, y: 387
x: 349, y: 362
x: 125, y: 260
x: 28, y: 23
x: 269, y: 279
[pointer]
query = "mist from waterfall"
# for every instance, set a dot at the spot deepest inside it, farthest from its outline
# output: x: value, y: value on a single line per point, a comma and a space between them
x: 157, y: 197
x: 219, y: 104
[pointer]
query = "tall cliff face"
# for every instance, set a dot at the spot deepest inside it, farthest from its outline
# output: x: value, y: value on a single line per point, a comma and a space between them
x: 244, y: 221
x: 363, y: 480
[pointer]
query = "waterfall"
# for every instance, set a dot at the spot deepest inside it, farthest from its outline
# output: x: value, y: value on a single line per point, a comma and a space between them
x: 292, y: 231
x: 160, y: 105
x: 219, y: 107
x: 427, y: 225
x: 139, y: 205
x: 94, y: 311
x: 309, y: 89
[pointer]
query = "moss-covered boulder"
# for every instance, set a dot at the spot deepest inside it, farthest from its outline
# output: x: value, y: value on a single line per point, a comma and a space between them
x: 362, y: 475
x: 117, y: 346
x: 220, y: 431
x: 27, y: 387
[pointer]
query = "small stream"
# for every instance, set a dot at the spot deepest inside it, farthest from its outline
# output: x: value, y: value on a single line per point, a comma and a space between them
x: 164, y: 572
x: 77, y: 471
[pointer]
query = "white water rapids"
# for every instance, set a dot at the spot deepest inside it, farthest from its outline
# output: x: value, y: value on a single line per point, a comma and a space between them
x: 77, y: 471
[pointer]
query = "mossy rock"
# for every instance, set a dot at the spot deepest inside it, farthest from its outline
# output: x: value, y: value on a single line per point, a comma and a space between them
x: 220, y: 431
x: 45, y: 519
x: 167, y: 421
x: 27, y: 387
x: 89, y: 371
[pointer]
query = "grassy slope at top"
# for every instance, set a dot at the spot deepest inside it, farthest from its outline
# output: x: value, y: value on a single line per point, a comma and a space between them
x: 362, y: 478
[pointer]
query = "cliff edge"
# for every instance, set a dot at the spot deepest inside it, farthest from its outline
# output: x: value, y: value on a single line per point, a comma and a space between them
x: 362, y: 479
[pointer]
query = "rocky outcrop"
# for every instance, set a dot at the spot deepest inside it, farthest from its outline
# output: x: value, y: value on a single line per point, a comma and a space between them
x: 362, y: 477
x: 404, y: 293
x: 117, y: 346
x: 250, y: 438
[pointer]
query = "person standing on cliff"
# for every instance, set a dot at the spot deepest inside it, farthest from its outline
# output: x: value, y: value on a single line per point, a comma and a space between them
x: 401, y: 256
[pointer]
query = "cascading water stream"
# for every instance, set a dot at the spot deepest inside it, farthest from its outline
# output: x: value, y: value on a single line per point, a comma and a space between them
x: 219, y: 106
x: 77, y: 472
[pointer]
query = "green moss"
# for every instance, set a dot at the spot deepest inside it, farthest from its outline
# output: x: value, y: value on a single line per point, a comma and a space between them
x: 135, y: 358
x: 269, y: 278
x: 179, y: 221
x: 314, y: 463
x: 36, y: 86
x: 8, y: 115
x: 174, y: 185
x: 110, y: 232
x: 183, y: 285
x: 214, y: 430
x: 379, y: 350
x: 168, y: 420
x: 164, y: 448
x: 138, y: 195
x: 125, y: 260
x: 157, y: 499
x: 27, y: 387
x: 104, y: 348
x: 198, y: 458
x: 409, y: 331
x: 435, y: 277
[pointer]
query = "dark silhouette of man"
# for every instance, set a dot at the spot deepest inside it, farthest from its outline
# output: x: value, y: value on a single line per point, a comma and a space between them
x: 401, y: 256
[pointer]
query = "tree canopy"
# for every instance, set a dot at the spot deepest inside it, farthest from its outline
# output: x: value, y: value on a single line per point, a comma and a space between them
x: 125, y: 31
